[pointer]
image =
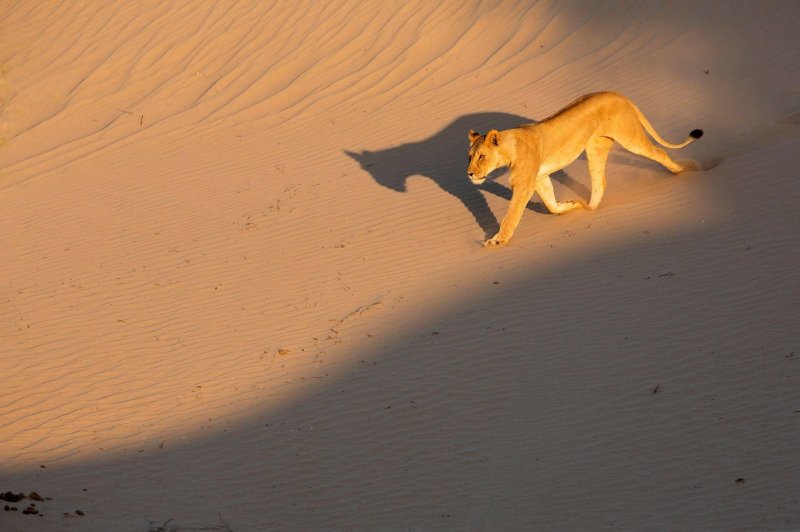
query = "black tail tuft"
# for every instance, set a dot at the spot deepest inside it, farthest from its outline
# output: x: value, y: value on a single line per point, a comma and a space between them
x: 696, y: 133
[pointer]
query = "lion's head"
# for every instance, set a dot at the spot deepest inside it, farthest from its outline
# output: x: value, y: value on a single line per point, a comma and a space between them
x: 484, y: 155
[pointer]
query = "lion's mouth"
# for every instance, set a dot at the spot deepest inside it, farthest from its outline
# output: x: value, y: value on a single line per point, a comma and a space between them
x: 478, y: 180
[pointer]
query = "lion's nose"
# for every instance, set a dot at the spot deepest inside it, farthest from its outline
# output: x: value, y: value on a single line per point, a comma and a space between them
x: 470, y: 174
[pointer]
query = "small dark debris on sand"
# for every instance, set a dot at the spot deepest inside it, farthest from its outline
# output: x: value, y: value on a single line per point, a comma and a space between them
x: 10, y: 496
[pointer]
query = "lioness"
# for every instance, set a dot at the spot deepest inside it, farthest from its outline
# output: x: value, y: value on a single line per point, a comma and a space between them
x: 533, y: 151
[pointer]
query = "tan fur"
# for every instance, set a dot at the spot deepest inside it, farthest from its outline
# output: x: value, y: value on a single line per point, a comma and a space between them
x: 534, y: 151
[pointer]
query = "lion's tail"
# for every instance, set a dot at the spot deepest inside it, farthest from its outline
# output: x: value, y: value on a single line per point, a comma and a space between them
x: 693, y: 136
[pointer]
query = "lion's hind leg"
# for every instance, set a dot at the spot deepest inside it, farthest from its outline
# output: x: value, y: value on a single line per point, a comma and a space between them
x: 637, y: 142
x: 597, y: 154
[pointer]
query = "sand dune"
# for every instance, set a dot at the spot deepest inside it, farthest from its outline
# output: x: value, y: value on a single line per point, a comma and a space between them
x: 242, y: 286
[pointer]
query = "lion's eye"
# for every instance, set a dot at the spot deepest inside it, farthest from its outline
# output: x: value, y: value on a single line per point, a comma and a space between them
x: 480, y: 158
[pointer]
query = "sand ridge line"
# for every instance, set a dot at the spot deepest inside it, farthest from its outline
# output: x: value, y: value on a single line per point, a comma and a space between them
x: 357, y: 312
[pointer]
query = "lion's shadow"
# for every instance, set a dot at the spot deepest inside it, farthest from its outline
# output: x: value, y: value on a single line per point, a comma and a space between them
x: 442, y: 158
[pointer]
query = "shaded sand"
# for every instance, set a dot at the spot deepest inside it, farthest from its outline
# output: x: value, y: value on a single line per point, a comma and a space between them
x: 242, y: 286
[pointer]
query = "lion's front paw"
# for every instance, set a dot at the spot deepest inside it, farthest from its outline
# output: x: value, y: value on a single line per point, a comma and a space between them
x: 566, y: 206
x: 495, y: 241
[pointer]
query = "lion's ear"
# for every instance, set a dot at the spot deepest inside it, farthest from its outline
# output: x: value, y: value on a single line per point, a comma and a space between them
x: 473, y: 135
x: 494, y: 137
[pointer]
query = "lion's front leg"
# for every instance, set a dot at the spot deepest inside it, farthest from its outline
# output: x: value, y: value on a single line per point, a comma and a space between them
x: 545, y: 189
x: 520, y: 197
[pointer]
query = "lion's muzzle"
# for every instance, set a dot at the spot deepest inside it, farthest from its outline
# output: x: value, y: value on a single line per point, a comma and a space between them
x: 476, y: 180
